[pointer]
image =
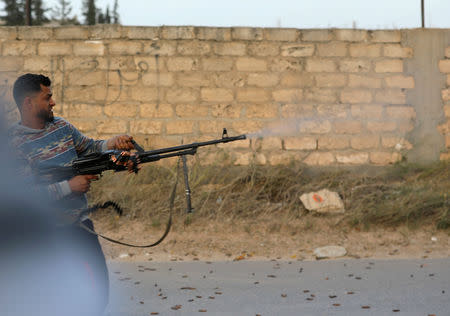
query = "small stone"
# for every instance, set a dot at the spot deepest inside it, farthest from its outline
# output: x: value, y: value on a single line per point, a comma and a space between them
x: 329, y: 252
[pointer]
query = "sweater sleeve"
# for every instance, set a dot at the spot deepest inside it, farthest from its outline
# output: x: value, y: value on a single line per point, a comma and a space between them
x: 85, y: 145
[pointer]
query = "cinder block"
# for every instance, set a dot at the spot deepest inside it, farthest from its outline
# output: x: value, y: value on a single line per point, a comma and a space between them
x: 141, y: 32
x: 216, y: 95
x: 374, y: 126
x: 210, y: 126
x: 315, y: 127
x: 297, y: 50
x: 282, y: 65
x: 83, y: 78
x: 391, y: 96
x: 396, y: 142
x: 105, y: 31
x: 263, y: 49
x: 251, y: 64
x: 333, y: 110
x: 230, y: 49
x: 181, y: 95
x: 144, y: 94
x: 247, y: 33
x: 384, y: 158
x: 321, y: 95
x: 265, y: 111
x: 145, y: 127
x: 112, y: 127
x: 365, y: 142
x: 159, y: 48
x: 333, y: 142
x: 320, y: 65
x: 263, y: 79
x: 157, y: 79
x: 389, y: 65
x: 156, y: 110
x: 120, y: 109
x: 361, y: 81
x: 252, y: 95
x: 282, y: 35
x: 181, y: 64
x: 54, y: 48
x: 89, y: 48
x: 246, y: 127
x: 84, y: 110
x: 178, y: 32
x: 365, y: 50
x: 19, y: 48
x: 214, y: 33
x: 354, y: 65
x: 333, y: 49
x: 296, y: 110
x: 217, y: 64
x: 397, y: 51
x: 367, y: 111
x: 351, y: 35
x: 226, y: 110
x: 179, y: 127
x: 316, y: 35
x: 191, y: 110
x: 331, y: 80
x: 229, y: 80
x: 11, y: 63
x: 352, y: 158
x: 34, y: 33
x: 356, y: 96
x: 8, y: 32
x: 300, y: 143
x: 125, y: 47
x: 297, y: 80
x: 192, y: 79
x: 347, y: 127
x: 193, y: 48
x: 400, y: 81
x: 386, y: 36
x: 319, y: 159
x: 71, y: 32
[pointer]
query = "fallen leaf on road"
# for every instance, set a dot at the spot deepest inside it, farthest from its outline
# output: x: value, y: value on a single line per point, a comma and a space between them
x: 176, y: 307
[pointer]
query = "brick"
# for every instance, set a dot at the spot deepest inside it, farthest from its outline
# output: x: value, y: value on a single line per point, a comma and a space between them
x: 109, y: 94
x: 287, y: 95
x: 356, y: 96
x: 155, y: 79
x: 300, y: 143
x: 54, y: 48
x: 351, y: 35
x: 262, y: 111
x: 11, y: 63
x: 333, y: 142
x: 192, y: 79
x: 226, y: 110
x: 447, y: 52
x: 297, y: 80
x: 447, y: 110
x: 121, y: 109
x: 331, y: 80
x: 125, y: 48
x: 263, y: 49
x: 321, y: 95
x: 389, y: 65
x: 145, y: 127
x: 177, y: 32
x: 315, y: 127
x: 448, y: 80
x: 112, y: 127
x: 282, y: 35
x: 397, y: 51
x: 444, y: 66
x: 444, y: 156
x: 191, y: 110
x: 386, y: 36
x: 216, y: 95
x: 18, y: 48
x: 401, y: 112
x: 242, y: 159
x: 89, y: 48
x: 445, y: 94
x: 247, y: 33
x: 360, y: 81
x: 181, y: 64
x: 85, y: 78
x: 354, y: 65
x: 347, y: 127
x: 295, y: 110
x: 154, y: 110
x: 333, y: 49
x: 251, y: 64
x: 381, y: 126
x: 84, y: 125
x: 80, y: 94
x: 137, y: 63
x: 246, y: 127
x: 71, y: 32
x: 105, y: 31
x: 319, y: 159
x: 444, y: 128
x: 391, y: 96
x: 263, y: 79
x: 352, y: 158
x: 395, y: 142
x: 367, y: 111
x: 160, y: 48
x: 214, y: 33
x: 34, y: 33
x: 267, y: 143
x: 297, y: 50
x: 447, y: 141
x: 252, y: 95
x: 84, y: 110
x: 320, y: 65
x: 8, y: 33
x: 365, y: 50
x: 217, y: 64
x: 179, y: 127
x: 141, y: 32
x: 181, y: 95
x: 316, y: 35
x: 230, y: 49
x: 144, y: 94
x: 365, y: 142
x: 227, y: 79
x: 384, y: 158
x: 193, y: 48
x: 333, y: 110
x: 282, y: 65
x: 210, y: 126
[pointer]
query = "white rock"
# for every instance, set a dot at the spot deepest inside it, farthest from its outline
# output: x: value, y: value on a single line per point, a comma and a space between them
x: 330, y: 252
x: 433, y: 238
x: 124, y: 255
x: 323, y: 201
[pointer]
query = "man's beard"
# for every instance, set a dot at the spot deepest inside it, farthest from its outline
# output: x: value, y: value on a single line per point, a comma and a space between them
x: 46, y: 116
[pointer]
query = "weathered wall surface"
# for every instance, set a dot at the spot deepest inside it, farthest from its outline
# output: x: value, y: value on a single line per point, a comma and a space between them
x: 324, y: 97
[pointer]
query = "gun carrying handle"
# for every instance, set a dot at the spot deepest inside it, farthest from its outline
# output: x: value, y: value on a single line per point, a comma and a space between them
x: 137, y: 146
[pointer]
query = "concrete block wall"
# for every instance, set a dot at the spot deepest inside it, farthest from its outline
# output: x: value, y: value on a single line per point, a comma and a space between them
x: 444, y: 128
x: 324, y: 97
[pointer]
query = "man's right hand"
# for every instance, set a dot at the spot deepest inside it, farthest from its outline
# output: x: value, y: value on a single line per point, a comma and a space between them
x: 82, y: 183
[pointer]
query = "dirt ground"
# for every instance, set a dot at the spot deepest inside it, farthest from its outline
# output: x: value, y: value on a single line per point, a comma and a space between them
x: 265, y: 239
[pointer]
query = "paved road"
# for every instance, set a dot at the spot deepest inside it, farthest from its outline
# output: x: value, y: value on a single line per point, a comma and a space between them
x: 340, y: 287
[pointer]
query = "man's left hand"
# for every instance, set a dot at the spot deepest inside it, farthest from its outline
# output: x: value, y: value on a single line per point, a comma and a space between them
x: 122, y: 142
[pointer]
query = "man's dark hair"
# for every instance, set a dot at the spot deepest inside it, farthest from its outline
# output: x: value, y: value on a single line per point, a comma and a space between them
x: 27, y: 84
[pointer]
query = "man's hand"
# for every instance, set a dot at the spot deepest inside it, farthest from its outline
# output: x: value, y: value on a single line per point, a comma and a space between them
x: 122, y: 142
x: 81, y: 184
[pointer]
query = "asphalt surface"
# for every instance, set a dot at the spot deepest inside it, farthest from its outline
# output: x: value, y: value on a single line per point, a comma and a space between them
x: 338, y: 287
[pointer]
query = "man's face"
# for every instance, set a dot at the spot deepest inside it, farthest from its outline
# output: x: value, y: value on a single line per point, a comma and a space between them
x: 43, y: 104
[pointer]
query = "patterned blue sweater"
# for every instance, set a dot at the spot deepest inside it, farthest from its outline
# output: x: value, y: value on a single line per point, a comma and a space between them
x: 57, y: 145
